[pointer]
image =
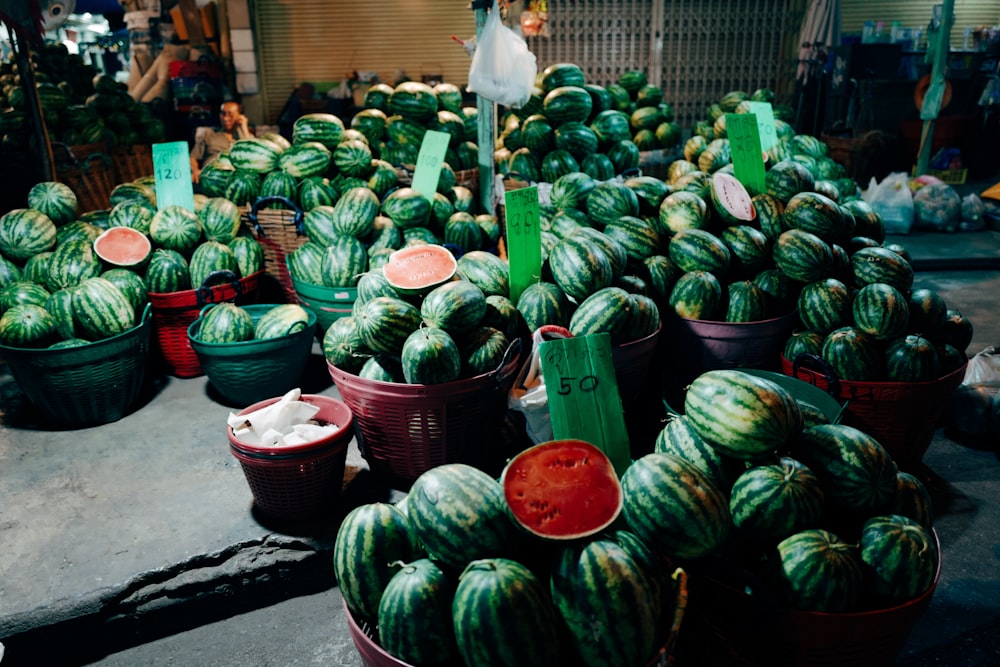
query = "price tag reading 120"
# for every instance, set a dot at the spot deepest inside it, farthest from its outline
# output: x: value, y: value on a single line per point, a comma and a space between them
x: 524, y: 238
x: 172, y: 175
x: 582, y: 392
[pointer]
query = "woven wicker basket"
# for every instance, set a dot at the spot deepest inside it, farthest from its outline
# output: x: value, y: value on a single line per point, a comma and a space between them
x: 279, y: 232
x: 89, y: 172
x: 132, y: 162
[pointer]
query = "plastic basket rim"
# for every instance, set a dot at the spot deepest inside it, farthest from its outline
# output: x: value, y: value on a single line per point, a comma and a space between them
x: 90, y: 347
x: 248, y: 346
x: 322, y: 292
x: 305, y: 448
x: 741, y: 325
x: 939, y: 381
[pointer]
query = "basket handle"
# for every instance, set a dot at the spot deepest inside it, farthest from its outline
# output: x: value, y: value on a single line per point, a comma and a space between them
x: 204, y: 310
x: 275, y: 199
x: 507, y: 365
x: 205, y: 294
x: 805, y: 359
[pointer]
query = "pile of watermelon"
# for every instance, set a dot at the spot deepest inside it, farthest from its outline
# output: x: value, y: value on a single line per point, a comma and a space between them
x: 229, y: 323
x: 818, y: 511
x: 468, y: 571
x: 571, y: 125
x: 325, y: 159
x: 69, y: 278
x: 79, y: 105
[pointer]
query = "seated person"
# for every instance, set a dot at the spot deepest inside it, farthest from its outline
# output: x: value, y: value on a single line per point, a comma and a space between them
x: 210, y: 142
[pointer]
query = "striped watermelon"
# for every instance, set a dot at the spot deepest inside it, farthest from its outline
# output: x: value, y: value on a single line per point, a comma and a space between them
x: 881, y: 311
x: 325, y: 128
x: 579, y: 267
x: 209, y: 258
x: 25, y: 232
x: 385, y: 322
x: 773, y: 501
x: 27, y: 325
x: 101, y: 310
x: 282, y: 320
x: 71, y: 263
x: 176, y: 228
x: 485, y: 270
x: 343, y: 347
x: 853, y: 355
x: 414, y: 614
x: 254, y: 154
x: 220, y: 219
x: 911, y: 358
x: 605, y: 311
x: 901, y: 558
x: 881, y: 265
x: 680, y: 439
x: 167, y: 271
x: 459, y: 514
x: 304, y: 159
x: 743, y: 415
x: 456, y: 306
x: 343, y: 262
x: 503, y: 615
x: 699, y: 250
x: 430, y: 356
x: 825, y: 305
x: 544, y: 303
x: 803, y: 256
x: 54, y: 199
x: 817, y: 571
x: 226, y: 323
x: 372, y: 541
x: 856, y: 472
x: 674, y: 507
x: 598, y: 583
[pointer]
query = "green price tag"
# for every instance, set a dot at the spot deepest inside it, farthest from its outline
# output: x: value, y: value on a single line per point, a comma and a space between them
x: 748, y: 159
x: 429, y: 161
x: 172, y: 174
x: 583, y: 397
x: 765, y: 124
x: 524, y: 238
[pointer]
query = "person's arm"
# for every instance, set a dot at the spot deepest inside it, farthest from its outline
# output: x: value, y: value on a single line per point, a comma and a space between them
x: 243, y: 128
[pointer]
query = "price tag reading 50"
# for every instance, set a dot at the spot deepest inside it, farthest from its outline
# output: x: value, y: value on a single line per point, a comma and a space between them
x: 582, y: 392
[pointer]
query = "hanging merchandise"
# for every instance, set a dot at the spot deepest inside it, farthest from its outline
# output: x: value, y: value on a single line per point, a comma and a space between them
x: 503, y: 69
x: 535, y: 19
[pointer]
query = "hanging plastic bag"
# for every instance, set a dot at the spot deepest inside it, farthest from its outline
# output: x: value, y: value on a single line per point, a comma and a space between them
x: 527, y: 394
x: 892, y: 200
x: 503, y: 69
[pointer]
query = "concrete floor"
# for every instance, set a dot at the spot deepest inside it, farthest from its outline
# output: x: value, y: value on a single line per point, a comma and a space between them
x: 136, y: 542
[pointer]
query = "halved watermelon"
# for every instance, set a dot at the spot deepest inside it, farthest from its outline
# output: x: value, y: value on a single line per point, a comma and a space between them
x: 417, y: 269
x: 731, y: 200
x: 123, y: 247
x: 562, y: 489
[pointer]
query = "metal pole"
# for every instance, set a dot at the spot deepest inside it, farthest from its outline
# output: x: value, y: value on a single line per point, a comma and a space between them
x: 486, y: 113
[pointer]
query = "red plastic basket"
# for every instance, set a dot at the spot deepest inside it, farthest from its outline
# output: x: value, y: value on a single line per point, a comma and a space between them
x: 404, y: 430
x: 902, y: 416
x: 298, y: 481
x: 279, y: 232
x: 728, y: 626
x: 365, y: 636
x: 173, y: 313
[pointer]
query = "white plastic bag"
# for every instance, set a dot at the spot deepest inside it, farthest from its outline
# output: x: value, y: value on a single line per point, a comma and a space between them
x: 892, y: 200
x: 975, y: 405
x: 503, y: 69
x: 527, y: 395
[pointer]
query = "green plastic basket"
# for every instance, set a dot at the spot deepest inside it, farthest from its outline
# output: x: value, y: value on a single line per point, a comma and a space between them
x: 87, y: 385
x: 328, y: 303
x: 254, y: 370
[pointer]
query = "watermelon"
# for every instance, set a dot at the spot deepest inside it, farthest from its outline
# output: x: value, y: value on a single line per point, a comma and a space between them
x: 343, y: 346
x: 901, y: 556
x: 419, y: 269
x: 208, y: 259
x: 372, y: 541
x: 384, y: 323
x: 749, y: 250
x: 579, y: 267
x: 54, y: 199
x: 503, y: 616
x: 430, y: 356
x: 413, y: 100
x: 605, y: 311
x: 853, y: 355
x: 414, y: 614
x: 302, y: 160
x: 881, y: 265
x: 699, y: 250
x: 803, y: 256
x: 282, y: 320
x: 544, y: 303
x: 881, y: 311
x: 167, y: 271
x: 911, y: 358
x: 927, y: 310
x: 25, y: 232
x: 678, y: 438
x: 773, y: 501
x: 912, y: 499
x: 815, y: 570
x: 254, y: 154
x: 672, y: 506
x: 225, y: 323
x: 485, y: 270
x: 220, y: 219
x: 131, y: 284
x: 176, y: 228
x: 456, y: 306
x: 856, y: 472
x: 562, y: 490
x: 72, y: 262
x: 101, y: 310
x: 459, y: 514
x: 599, y: 584
x: 482, y: 350
x: 787, y: 178
x: 697, y: 295
x: 325, y: 128
x: 27, y: 325
x: 747, y: 302
x: 123, y: 247
x: 249, y: 255
x: 683, y: 210
x: 343, y: 262
x: 825, y: 305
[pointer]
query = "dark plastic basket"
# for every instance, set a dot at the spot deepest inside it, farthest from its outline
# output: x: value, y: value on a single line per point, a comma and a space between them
x: 252, y: 370
x: 87, y: 385
x: 404, y: 430
x: 632, y: 362
x: 328, y: 303
x: 173, y: 313
x: 298, y: 481
x: 705, y: 345
x: 728, y: 626
x: 902, y: 416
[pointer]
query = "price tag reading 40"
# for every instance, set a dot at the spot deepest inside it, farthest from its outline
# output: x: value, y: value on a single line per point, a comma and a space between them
x: 524, y: 238
x: 429, y: 161
x: 583, y: 397
x: 172, y: 175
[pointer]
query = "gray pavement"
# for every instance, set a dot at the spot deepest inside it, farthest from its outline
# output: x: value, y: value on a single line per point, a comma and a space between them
x: 136, y: 542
